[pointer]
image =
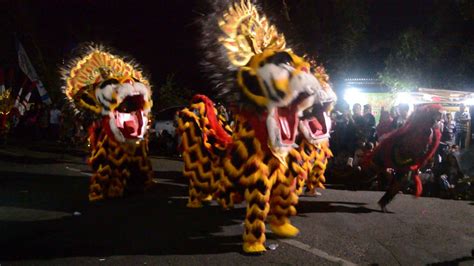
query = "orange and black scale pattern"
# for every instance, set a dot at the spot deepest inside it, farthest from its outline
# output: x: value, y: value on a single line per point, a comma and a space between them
x: 251, y: 170
x: 244, y: 170
x: 201, y: 152
x: 118, y: 168
x: 308, y: 163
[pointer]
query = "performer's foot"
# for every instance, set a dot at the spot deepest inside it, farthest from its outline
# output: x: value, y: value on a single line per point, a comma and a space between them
x: 194, y: 204
x: 313, y: 193
x: 383, y: 207
x: 208, y: 198
x: 254, y: 248
x: 284, y: 230
x: 94, y: 197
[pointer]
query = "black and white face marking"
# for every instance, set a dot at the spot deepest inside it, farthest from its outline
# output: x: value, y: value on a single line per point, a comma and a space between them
x: 291, y: 89
x: 127, y: 105
x: 315, y: 123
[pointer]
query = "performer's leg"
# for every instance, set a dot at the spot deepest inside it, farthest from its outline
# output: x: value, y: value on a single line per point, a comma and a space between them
x: 197, y: 165
x: 116, y: 185
x: 257, y: 196
x: 316, y: 178
x: 138, y: 172
x: 297, y: 168
x: 97, y: 182
x: 258, y: 184
x: 282, y: 203
x: 198, y: 187
x: 392, y: 190
x: 227, y: 194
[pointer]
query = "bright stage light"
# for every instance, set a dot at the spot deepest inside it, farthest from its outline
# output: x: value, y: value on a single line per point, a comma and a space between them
x: 354, y: 95
x: 469, y: 102
x: 405, y: 97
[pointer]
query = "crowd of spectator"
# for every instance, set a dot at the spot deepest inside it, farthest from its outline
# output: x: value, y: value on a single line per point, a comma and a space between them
x: 44, y: 122
x: 356, y: 133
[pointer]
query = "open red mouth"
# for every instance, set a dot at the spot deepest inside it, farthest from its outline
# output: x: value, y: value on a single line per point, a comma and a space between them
x: 287, y: 122
x: 316, y: 120
x: 129, y: 117
x: 287, y: 119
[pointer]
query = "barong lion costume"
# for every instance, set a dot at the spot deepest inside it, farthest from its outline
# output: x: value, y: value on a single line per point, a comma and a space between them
x: 98, y: 83
x: 268, y: 88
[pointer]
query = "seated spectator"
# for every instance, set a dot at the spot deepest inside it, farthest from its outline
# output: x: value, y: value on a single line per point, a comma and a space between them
x: 449, y: 174
x: 358, y: 155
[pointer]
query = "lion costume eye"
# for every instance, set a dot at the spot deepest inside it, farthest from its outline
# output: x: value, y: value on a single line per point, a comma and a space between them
x: 108, y: 82
x: 281, y: 58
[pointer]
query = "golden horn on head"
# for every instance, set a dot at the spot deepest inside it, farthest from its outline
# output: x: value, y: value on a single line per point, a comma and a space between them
x: 247, y: 33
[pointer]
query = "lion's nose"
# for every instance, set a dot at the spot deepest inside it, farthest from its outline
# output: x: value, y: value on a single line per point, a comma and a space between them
x: 305, y: 69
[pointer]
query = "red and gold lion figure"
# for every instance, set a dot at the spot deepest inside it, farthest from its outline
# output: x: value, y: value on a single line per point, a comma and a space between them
x: 273, y: 95
x: 106, y: 86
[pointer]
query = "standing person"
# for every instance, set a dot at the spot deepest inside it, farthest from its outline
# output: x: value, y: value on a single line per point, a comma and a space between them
x: 356, y: 128
x: 394, y: 112
x: 369, y: 123
x: 54, y: 122
x: 449, y: 129
x: 339, y: 128
x: 43, y: 121
x: 401, y: 117
x: 368, y: 116
x: 462, y: 118
x: 31, y: 128
x: 357, y: 114
x: 385, y: 124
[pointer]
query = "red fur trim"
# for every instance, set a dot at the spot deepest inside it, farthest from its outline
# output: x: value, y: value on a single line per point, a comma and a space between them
x: 258, y: 121
x: 94, y: 134
x: 220, y: 134
x: 419, y: 185
x: 414, y: 134
x: 106, y: 126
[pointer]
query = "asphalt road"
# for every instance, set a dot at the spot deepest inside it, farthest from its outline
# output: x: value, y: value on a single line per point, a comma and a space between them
x: 45, y: 219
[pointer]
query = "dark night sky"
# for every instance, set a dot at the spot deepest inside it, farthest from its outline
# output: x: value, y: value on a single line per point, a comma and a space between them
x: 161, y: 35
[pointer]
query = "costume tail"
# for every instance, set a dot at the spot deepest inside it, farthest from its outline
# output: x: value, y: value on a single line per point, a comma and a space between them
x: 419, y: 185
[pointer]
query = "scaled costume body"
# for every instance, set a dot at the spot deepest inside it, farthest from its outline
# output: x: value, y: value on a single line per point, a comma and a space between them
x: 308, y: 164
x: 115, y: 91
x: 268, y: 88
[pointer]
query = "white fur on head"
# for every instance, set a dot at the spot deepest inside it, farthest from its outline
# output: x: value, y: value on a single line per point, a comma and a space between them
x: 112, y: 95
x: 300, y: 84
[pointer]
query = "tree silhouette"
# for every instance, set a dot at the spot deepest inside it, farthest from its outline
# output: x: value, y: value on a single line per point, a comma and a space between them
x: 170, y: 94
